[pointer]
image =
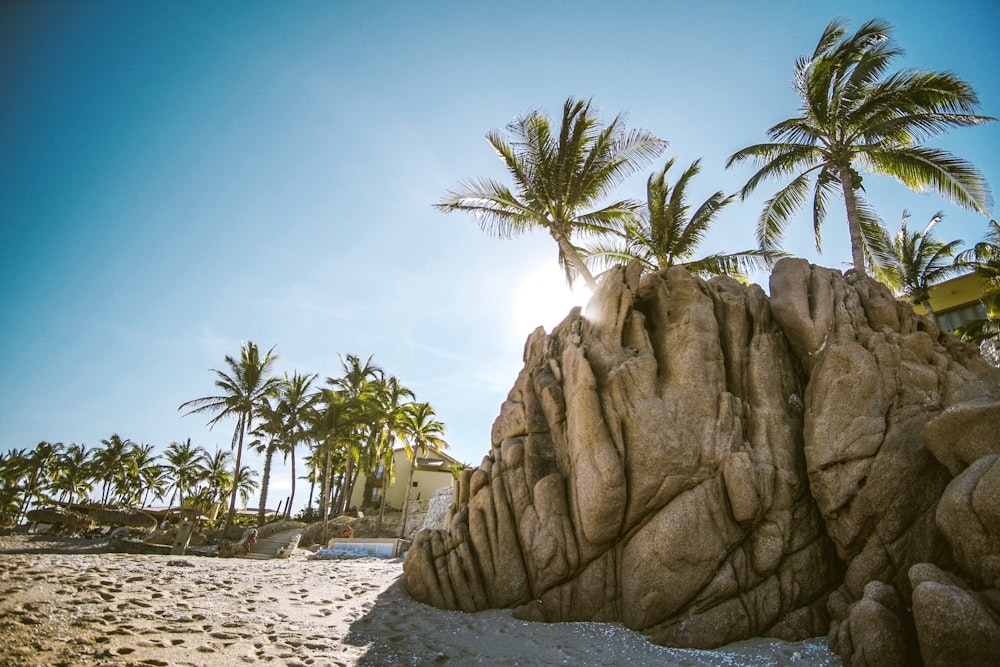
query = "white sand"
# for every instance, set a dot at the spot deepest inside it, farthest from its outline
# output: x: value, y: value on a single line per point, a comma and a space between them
x: 63, y: 602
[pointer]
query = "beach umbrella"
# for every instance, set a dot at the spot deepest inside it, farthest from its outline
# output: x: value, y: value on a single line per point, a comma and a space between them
x: 130, y: 518
x: 57, y: 515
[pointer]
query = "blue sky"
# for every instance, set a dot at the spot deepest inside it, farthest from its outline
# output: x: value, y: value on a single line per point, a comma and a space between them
x: 176, y: 178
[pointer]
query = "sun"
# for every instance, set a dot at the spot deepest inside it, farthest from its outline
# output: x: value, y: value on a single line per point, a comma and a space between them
x: 544, y: 299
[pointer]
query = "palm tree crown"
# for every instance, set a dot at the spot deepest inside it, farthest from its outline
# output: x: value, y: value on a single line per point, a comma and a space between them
x: 559, y: 179
x: 854, y: 115
x: 910, y: 262
x: 666, y: 233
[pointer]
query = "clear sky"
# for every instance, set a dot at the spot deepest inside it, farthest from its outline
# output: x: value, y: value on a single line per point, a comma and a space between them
x: 177, y: 177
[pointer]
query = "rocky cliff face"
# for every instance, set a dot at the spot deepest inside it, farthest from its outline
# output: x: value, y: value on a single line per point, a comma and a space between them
x: 704, y: 464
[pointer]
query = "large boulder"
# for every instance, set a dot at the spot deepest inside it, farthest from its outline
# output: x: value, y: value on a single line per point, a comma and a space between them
x: 705, y: 464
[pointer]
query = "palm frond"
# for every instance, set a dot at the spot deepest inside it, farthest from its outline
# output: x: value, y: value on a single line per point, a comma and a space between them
x: 920, y: 167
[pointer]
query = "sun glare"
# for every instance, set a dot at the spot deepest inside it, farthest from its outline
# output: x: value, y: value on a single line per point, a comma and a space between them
x: 544, y: 299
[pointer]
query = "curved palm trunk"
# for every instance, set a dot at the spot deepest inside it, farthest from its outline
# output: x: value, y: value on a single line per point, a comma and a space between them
x: 573, y: 257
x: 291, y: 498
x: 931, y: 315
x: 406, y: 498
x: 853, y: 221
x: 325, y: 494
x: 264, y: 483
x: 241, y: 427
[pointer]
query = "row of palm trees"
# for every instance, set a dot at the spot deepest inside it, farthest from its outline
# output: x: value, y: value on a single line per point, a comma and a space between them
x: 350, y: 427
x: 118, y: 472
x: 854, y: 115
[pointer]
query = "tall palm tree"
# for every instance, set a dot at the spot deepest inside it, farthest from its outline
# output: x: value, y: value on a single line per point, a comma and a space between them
x: 218, y: 478
x: 391, y: 400
x: 185, y: 463
x: 246, y: 383
x: 246, y: 484
x: 38, y: 466
x: 855, y: 116
x: 910, y: 262
x: 422, y: 433
x: 333, y: 428
x: 297, y: 399
x: 666, y: 233
x: 142, y: 468
x: 559, y: 178
x: 110, y: 462
x: 358, y: 383
x: 72, y: 478
x: 270, y: 432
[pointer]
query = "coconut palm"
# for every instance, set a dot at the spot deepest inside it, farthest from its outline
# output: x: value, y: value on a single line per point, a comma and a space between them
x: 38, y: 466
x: 72, y: 477
x: 666, y: 233
x: 142, y: 469
x: 297, y: 399
x: 110, y: 462
x: 910, y: 262
x: 391, y: 401
x: 246, y: 484
x: 218, y: 478
x: 358, y: 382
x: 270, y: 433
x: 246, y: 383
x: 855, y: 116
x: 559, y: 178
x: 422, y: 433
x: 185, y: 464
x: 333, y: 427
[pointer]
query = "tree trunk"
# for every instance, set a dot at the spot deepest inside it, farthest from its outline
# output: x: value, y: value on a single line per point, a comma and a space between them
x: 573, y: 257
x: 264, y: 483
x: 406, y: 497
x: 241, y: 427
x: 325, y: 497
x: 853, y: 220
x: 931, y: 315
x: 291, y: 498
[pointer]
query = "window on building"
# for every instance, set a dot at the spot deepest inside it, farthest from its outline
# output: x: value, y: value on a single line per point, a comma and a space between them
x: 949, y: 320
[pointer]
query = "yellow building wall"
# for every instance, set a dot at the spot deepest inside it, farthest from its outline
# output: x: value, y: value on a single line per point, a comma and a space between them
x: 427, y: 482
x: 954, y: 293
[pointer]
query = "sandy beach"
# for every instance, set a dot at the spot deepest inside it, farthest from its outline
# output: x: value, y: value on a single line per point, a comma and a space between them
x: 68, y: 602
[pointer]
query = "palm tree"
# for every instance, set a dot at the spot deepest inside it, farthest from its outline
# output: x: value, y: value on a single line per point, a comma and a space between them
x: 141, y: 470
x: 72, y: 478
x: 422, y: 432
x: 666, y: 234
x: 218, y: 478
x: 110, y: 461
x: 270, y: 434
x: 243, y: 387
x: 333, y: 427
x: 38, y: 468
x: 391, y: 401
x: 854, y: 116
x: 558, y: 179
x: 910, y: 262
x: 186, y: 467
x: 246, y: 484
x: 358, y: 383
x: 297, y: 399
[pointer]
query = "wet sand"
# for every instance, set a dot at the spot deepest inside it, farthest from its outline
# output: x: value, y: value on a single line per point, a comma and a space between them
x: 69, y: 602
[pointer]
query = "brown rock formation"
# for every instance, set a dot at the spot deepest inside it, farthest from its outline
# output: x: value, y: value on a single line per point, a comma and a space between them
x: 705, y: 465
